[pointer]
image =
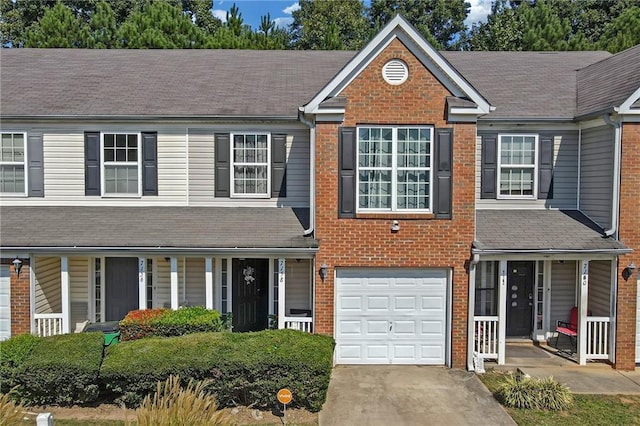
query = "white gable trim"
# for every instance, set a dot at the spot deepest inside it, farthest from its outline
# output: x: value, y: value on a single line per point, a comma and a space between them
x: 399, y: 28
x: 625, y: 108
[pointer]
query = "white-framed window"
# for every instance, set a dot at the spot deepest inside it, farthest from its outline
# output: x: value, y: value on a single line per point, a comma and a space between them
x: 250, y: 159
x: 13, y: 157
x: 518, y: 166
x: 121, y: 171
x: 395, y: 168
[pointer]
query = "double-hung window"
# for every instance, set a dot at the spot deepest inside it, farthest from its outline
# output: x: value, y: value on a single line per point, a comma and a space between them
x: 394, y: 168
x: 250, y: 162
x: 121, y: 154
x: 517, y: 166
x: 12, y: 164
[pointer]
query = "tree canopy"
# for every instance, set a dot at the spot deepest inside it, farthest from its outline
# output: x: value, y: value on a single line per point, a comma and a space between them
x: 612, y: 25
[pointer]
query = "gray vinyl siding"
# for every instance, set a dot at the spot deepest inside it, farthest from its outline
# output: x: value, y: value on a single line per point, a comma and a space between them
x: 563, y: 291
x: 79, y: 287
x: 565, y: 173
x: 596, y: 174
x: 47, y: 285
x: 600, y: 287
x: 195, y: 277
x: 202, y: 167
x: 163, y: 284
x: 297, y: 285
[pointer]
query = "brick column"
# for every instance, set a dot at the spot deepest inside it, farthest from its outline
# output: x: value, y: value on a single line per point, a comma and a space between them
x: 20, y: 304
x: 629, y: 234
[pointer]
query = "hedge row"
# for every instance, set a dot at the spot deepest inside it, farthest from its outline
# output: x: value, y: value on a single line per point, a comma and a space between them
x: 244, y: 368
x: 55, y: 370
x: 166, y: 322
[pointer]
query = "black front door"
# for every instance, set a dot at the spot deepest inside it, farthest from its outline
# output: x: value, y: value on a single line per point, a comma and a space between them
x: 520, y: 277
x: 121, y: 282
x: 250, y: 296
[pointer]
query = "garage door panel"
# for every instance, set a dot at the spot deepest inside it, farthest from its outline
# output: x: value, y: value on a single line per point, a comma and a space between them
x: 391, y: 316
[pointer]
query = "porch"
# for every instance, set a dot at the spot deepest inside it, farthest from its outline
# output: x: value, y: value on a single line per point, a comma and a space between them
x: 260, y: 292
x: 526, y: 299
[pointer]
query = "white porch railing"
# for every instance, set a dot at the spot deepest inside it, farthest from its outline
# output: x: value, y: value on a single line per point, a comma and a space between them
x: 485, y: 337
x: 48, y: 324
x: 299, y: 323
x: 598, y: 337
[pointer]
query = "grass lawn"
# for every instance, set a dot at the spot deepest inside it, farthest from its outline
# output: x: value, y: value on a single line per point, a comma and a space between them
x: 587, y: 409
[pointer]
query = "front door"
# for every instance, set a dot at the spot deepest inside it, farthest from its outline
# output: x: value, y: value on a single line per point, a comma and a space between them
x: 520, y: 277
x: 121, y: 282
x: 250, y: 296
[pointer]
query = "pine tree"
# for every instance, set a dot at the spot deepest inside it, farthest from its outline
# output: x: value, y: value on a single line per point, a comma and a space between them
x: 102, y: 27
x: 623, y: 32
x: 58, y: 27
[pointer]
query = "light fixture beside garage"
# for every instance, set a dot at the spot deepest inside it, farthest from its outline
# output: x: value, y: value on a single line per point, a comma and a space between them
x: 395, y: 226
x: 628, y: 271
x: 17, y: 265
x: 324, y: 268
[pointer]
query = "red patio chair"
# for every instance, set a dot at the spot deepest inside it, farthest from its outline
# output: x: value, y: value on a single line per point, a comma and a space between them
x: 569, y: 329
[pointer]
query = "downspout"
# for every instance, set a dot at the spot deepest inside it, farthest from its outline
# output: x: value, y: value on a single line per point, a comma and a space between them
x: 579, y: 165
x: 312, y: 172
x: 615, y: 208
x: 475, y: 259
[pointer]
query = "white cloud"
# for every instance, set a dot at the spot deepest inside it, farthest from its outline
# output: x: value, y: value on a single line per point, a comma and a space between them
x: 290, y: 9
x: 220, y: 14
x: 283, y: 22
x: 478, y: 11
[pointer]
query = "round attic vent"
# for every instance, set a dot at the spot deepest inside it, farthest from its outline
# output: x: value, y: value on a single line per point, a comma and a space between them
x: 395, y: 72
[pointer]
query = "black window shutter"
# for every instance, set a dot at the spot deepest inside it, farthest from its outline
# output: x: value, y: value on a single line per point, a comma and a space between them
x: 35, y: 166
x: 488, y: 176
x: 347, y: 172
x: 545, y: 167
x: 150, y: 163
x: 278, y: 165
x: 443, y: 173
x: 92, y: 163
x: 223, y: 160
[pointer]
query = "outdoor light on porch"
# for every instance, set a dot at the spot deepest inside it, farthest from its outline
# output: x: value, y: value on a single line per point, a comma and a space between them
x: 323, y: 271
x: 17, y: 265
x: 628, y: 271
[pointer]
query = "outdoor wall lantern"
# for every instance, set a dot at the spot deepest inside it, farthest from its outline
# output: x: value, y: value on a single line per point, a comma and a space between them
x: 626, y: 272
x: 17, y: 265
x: 324, y: 268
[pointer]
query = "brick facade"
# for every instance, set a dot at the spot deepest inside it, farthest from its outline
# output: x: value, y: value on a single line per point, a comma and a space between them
x: 20, y: 303
x: 629, y: 234
x: 422, y: 242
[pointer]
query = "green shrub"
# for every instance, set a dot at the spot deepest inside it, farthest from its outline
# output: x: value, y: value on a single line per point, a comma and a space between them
x: 244, y: 368
x: 60, y: 370
x: 13, y: 352
x: 166, y: 322
x: 535, y: 393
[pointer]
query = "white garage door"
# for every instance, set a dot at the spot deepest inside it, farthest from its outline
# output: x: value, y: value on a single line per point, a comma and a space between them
x: 5, y: 303
x: 391, y: 316
x: 638, y: 325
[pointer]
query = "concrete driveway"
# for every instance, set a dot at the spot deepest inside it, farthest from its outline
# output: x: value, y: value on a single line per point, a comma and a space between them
x: 408, y: 395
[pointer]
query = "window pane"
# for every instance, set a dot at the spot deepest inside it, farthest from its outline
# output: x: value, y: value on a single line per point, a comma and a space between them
x: 121, y: 141
x: 413, y: 190
x: 516, y: 181
x: 12, y: 179
x: 109, y: 141
x: 121, y: 179
x: 375, y: 189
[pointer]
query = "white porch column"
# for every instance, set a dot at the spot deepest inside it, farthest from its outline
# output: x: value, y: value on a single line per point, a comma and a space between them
x: 281, y: 282
x: 142, y: 283
x: 65, y: 289
x: 470, y: 322
x: 502, y: 311
x: 208, y: 282
x: 583, y: 300
x: 174, y: 283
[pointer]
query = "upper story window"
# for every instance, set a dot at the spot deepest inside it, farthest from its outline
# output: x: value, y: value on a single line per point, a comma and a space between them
x: 394, y: 168
x: 517, y: 166
x: 12, y: 164
x: 250, y: 161
x: 121, y: 162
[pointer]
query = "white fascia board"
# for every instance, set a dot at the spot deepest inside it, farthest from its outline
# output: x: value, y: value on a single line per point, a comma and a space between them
x: 625, y: 108
x: 399, y: 28
x: 321, y: 111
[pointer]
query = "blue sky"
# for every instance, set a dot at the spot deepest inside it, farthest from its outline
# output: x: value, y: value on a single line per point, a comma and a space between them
x: 280, y: 11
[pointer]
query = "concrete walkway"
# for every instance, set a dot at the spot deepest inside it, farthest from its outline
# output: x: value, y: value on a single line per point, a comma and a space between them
x: 408, y: 395
x: 596, y: 378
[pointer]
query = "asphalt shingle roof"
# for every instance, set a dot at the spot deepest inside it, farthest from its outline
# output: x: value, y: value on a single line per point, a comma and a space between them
x: 152, y: 227
x: 521, y: 230
x: 192, y: 83
x: 608, y: 83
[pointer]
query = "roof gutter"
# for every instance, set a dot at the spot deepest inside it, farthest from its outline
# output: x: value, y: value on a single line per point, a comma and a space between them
x: 615, y: 202
x: 551, y: 251
x: 164, y: 118
x: 165, y: 250
x: 312, y: 171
